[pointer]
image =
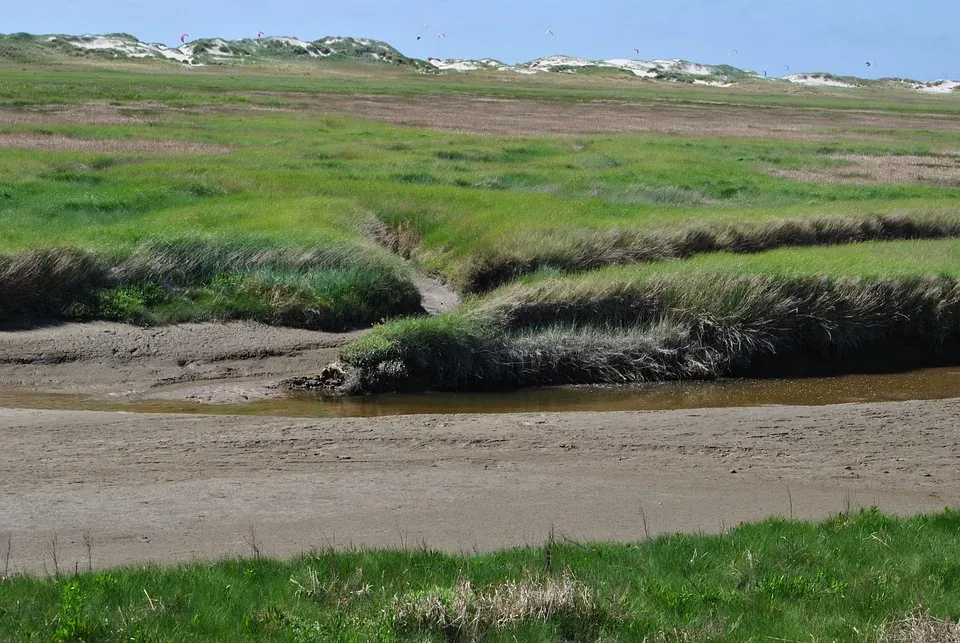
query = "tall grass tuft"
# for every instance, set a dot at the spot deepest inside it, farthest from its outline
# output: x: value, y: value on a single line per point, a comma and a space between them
x: 52, y: 282
x: 569, y: 331
x: 332, y: 287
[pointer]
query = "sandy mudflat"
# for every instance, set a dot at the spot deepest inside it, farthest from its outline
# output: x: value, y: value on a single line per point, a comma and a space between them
x: 232, y: 362
x: 175, y: 487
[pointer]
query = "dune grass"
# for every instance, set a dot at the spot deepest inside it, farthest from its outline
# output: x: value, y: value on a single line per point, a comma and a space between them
x: 858, y: 576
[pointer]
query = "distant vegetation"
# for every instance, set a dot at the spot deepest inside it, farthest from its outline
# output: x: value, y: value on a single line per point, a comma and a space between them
x: 24, y: 48
x: 206, y: 51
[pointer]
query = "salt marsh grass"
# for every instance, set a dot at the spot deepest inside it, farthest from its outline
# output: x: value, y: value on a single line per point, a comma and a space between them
x: 858, y: 576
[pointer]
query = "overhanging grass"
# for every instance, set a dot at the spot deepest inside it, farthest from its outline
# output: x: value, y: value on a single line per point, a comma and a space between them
x: 846, y: 578
x: 565, y: 250
x: 663, y: 321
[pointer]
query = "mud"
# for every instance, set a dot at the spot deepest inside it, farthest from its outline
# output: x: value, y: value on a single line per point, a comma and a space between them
x: 121, y: 361
x: 163, y: 488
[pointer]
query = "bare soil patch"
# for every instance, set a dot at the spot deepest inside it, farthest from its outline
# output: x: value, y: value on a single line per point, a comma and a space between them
x: 510, y: 117
x: 57, y: 143
x: 436, y: 296
x: 165, y: 488
x: 941, y: 170
x: 85, y: 114
x: 523, y: 117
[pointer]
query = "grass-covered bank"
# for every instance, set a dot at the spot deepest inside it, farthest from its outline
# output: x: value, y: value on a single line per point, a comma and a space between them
x: 495, y: 266
x: 854, y: 577
x: 334, y: 287
x: 708, y: 317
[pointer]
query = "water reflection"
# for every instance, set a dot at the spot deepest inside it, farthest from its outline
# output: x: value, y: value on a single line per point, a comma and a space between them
x: 936, y: 383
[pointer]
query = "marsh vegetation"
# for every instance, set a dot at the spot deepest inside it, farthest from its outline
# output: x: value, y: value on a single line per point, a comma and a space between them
x: 155, y: 197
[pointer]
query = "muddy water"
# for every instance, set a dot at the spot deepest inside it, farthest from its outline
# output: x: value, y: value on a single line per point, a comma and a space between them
x: 927, y: 384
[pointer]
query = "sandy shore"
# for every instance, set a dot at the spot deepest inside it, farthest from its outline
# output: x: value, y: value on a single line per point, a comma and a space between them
x: 209, y: 363
x: 164, y: 488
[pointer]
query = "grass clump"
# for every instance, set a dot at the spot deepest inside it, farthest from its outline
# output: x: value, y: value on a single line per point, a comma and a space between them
x: 857, y: 576
x: 206, y: 279
x: 466, y: 613
x: 56, y: 282
x: 638, y: 324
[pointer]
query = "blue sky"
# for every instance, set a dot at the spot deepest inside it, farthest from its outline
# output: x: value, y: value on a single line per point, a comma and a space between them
x: 915, y: 39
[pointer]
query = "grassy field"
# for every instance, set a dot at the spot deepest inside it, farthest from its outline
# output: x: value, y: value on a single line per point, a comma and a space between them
x: 129, y: 81
x: 151, y: 195
x: 855, y: 577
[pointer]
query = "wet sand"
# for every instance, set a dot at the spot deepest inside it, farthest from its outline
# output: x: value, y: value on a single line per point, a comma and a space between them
x: 164, y: 488
x: 207, y: 363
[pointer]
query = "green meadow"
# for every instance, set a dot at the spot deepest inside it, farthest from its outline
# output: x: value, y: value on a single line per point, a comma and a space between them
x: 861, y: 576
x: 153, y: 195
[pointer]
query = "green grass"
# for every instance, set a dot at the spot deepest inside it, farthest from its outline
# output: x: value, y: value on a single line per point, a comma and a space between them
x: 873, y: 260
x: 715, y: 315
x: 477, y: 210
x: 844, y: 579
x: 130, y: 80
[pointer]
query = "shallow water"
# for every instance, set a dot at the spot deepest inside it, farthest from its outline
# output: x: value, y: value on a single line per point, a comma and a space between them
x: 926, y: 384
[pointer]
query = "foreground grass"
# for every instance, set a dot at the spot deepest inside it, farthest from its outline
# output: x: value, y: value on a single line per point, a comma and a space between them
x: 715, y: 315
x: 847, y: 578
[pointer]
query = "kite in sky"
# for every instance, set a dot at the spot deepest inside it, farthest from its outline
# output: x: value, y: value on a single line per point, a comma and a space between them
x: 183, y: 38
x: 549, y: 33
x: 259, y: 34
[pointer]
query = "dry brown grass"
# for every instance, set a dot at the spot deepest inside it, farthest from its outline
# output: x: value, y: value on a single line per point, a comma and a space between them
x: 522, y: 117
x: 940, y: 169
x: 466, y: 613
x: 86, y: 114
x: 58, y: 143
x: 529, y: 117
x: 921, y: 627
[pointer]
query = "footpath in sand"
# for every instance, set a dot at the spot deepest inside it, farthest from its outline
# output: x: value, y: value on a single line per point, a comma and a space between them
x: 162, y: 488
